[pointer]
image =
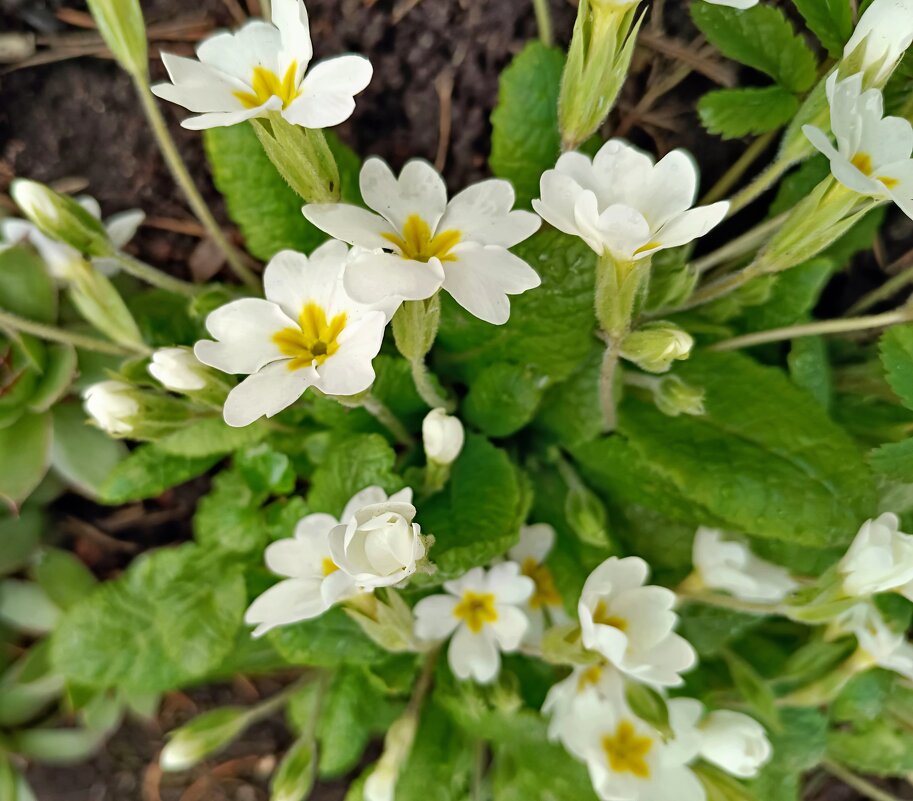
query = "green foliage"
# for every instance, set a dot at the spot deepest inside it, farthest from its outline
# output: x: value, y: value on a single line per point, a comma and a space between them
x: 525, y: 140
x: 502, y: 399
x: 148, y: 471
x: 331, y: 640
x: 440, y: 765
x: 830, y: 20
x: 26, y: 449
x: 897, y: 357
x: 799, y: 745
x: 732, y: 113
x: 894, y: 460
x: 810, y: 369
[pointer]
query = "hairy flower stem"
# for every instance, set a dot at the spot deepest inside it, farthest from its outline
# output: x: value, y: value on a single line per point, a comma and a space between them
x: 750, y: 241
x: 388, y: 420
x: 544, y: 21
x: 426, y: 389
x: 607, y: 375
x: 154, y: 277
x: 53, y: 334
x: 842, y: 326
x: 732, y: 176
x: 182, y: 177
x: 415, y: 327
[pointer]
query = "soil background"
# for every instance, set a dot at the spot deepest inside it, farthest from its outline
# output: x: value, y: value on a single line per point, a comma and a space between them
x: 74, y: 122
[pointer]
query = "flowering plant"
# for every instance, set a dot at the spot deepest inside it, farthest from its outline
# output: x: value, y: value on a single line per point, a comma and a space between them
x: 553, y: 483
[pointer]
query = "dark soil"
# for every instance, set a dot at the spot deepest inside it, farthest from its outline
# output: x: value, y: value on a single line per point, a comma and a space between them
x: 76, y: 123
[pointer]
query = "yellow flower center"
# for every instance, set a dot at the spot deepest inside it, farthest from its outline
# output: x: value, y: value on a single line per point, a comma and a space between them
x: 476, y: 609
x: 626, y: 750
x: 266, y: 84
x: 604, y: 618
x: 589, y: 678
x: 329, y: 566
x: 418, y: 244
x: 314, y: 341
x: 546, y: 593
x: 863, y: 163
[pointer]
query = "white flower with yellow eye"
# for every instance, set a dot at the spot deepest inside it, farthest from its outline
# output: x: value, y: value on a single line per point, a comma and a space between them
x: 623, y: 204
x: 307, y: 333
x: 261, y: 68
x: 482, y: 611
x: 60, y: 257
x: 880, y: 559
x: 314, y: 580
x: 873, y: 152
x: 879, y: 645
x: 730, y: 566
x: 544, y: 604
x: 417, y: 242
x: 583, y: 687
x: 632, y: 625
x: 882, y: 36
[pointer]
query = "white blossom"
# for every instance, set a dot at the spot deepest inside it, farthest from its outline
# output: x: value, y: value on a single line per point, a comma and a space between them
x: 415, y: 242
x: 263, y: 67
x: 631, y: 625
x: 544, y: 605
x: 881, y: 38
x: 443, y: 437
x: 481, y: 609
x: 880, y: 559
x: 177, y: 369
x: 879, y: 644
x: 112, y: 405
x: 307, y: 333
x: 584, y: 686
x: 873, y: 152
x: 741, y: 5
x: 730, y: 566
x: 623, y: 204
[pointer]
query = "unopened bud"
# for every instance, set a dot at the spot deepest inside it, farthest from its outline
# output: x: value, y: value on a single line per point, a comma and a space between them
x: 879, y: 41
x: 112, y: 405
x: 674, y: 397
x: 656, y: 345
x: 587, y: 516
x: 120, y: 23
x: 381, y: 784
x: 178, y: 369
x: 61, y: 218
x: 204, y: 735
x: 597, y: 65
x: 294, y: 777
x: 443, y: 437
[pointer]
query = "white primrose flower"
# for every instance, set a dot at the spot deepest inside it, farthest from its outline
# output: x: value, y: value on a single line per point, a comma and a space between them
x: 483, y: 609
x: 177, y: 369
x: 873, y: 152
x: 307, y: 333
x: 632, y: 625
x: 623, y: 204
x: 443, y: 437
x: 583, y: 687
x: 314, y: 579
x: 741, y: 5
x: 881, y: 38
x: 378, y: 545
x: 730, y: 566
x: 734, y: 742
x: 880, y: 559
x: 879, y: 644
x: 418, y: 242
x: 60, y: 257
x: 261, y: 68
x: 535, y: 544
x: 627, y: 759
x: 112, y: 406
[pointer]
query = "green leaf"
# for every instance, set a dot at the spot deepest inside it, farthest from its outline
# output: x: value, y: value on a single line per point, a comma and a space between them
x: 147, y: 472
x: 765, y: 458
x: 83, y: 455
x: 19, y: 537
x: 478, y: 515
x: 170, y: 619
x: 25, y: 453
x: 570, y: 412
x: 709, y: 628
x: 331, y: 640
x: 830, y: 20
x: 353, y: 463
x: 754, y: 689
x: 265, y: 207
x: 26, y: 288
x: 799, y: 746
x: 57, y: 746
x: 896, y: 348
x: 733, y: 113
x: 550, y: 331
x: 165, y: 318
x: 883, y: 747
x: 59, y: 371
x: 525, y: 141
x: 440, y: 765
x: 810, y: 368
x: 26, y: 607
x: 894, y: 460
x: 793, y: 296
x: 63, y: 577
x: 294, y: 778
x: 266, y: 470
x: 502, y: 399
x: 229, y: 516
x: 762, y: 38
x: 210, y: 436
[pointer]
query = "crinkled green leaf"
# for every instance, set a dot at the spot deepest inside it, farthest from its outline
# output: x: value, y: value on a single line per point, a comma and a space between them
x: 896, y: 348
x: 331, y: 640
x: 147, y: 472
x: 810, y: 368
x: 793, y: 296
x: 894, y: 459
x: 830, y: 20
x: 229, y: 516
x: 883, y: 747
x: 799, y: 745
x: 19, y: 537
x: 502, y: 399
x: 210, y: 436
x: 732, y: 113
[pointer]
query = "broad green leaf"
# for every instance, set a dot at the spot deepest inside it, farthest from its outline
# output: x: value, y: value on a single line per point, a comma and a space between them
x: 266, y: 470
x: 210, y: 436
x: 19, y: 537
x: 896, y: 348
x: 883, y: 747
x: 754, y: 689
x: 764, y: 457
x: 57, y: 746
x: 550, y: 331
x: 64, y: 578
x: 570, y: 412
x: 525, y: 141
x: 164, y: 318
x: 799, y: 746
x: 709, y: 628
x: 502, y: 399
x: 229, y: 516
x: 793, y: 296
x: 147, y: 472
x: 25, y: 453
x: 265, y: 207
x: 479, y: 513
x: 26, y: 288
x: 733, y: 113
x: 26, y: 607
x: 810, y: 368
x: 170, y: 619
x: 59, y: 371
x: 331, y: 640
x: 830, y: 20
x: 762, y: 38
x: 864, y: 697
x: 83, y: 455
x: 894, y: 459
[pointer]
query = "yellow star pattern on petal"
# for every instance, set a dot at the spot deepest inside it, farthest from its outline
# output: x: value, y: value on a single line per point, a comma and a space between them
x: 626, y: 750
x: 476, y: 609
x: 266, y: 84
x: 314, y: 341
x: 418, y: 244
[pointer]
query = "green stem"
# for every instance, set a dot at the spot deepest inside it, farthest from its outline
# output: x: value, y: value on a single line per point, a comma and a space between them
x: 732, y: 176
x: 759, y: 185
x: 813, y: 329
x: 151, y: 275
x: 183, y: 179
x: 859, y: 784
x: 544, y: 21
x: 607, y: 385
x: 721, y: 287
x: 726, y: 601
x: 53, y: 334
x: 387, y: 419
x: 747, y: 242
x: 423, y: 384
x: 885, y: 292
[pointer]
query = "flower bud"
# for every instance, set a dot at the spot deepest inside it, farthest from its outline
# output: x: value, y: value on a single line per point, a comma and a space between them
x: 587, y: 516
x: 673, y: 397
x: 120, y: 23
x: 879, y: 41
x: 294, y: 777
x: 61, y: 218
x: 204, y: 735
x: 443, y: 437
x: 656, y: 345
x: 597, y: 65
x: 381, y: 784
x: 112, y: 405
x: 734, y: 742
x: 123, y: 410
x: 178, y: 369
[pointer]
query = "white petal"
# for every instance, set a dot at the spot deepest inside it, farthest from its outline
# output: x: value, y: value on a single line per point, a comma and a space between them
x: 349, y: 370
x: 434, y: 618
x: 510, y: 627
x: 419, y: 191
x: 312, y: 531
x: 328, y: 92
x: 692, y: 224
x: 558, y: 199
x: 474, y: 579
x: 122, y: 227
x: 266, y: 393
x: 291, y: 18
x: 536, y: 541
x: 294, y: 559
x: 287, y: 602
x: 623, y: 228
x: 482, y: 213
x: 474, y: 655
x: 350, y: 224
x: 372, y: 277
x: 291, y: 280
x: 256, y: 44
x: 671, y: 188
x: 508, y: 585
x: 199, y: 87
x: 220, y: 119
x: 617, y: 575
